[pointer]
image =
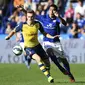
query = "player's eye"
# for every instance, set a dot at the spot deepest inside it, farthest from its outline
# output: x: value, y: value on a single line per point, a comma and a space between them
x: 30, y: 16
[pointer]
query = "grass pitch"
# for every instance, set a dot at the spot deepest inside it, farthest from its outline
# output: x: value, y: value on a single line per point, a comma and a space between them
x: 18, y: 74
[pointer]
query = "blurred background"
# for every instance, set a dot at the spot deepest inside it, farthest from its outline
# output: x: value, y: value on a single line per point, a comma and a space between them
x: 72, y: 35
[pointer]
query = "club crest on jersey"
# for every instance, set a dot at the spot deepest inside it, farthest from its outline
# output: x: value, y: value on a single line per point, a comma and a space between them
x: 50, y: 26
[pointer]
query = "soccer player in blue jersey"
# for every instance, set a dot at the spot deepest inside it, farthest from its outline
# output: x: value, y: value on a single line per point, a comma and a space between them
x: 32, y: 46
x: 53, y: 47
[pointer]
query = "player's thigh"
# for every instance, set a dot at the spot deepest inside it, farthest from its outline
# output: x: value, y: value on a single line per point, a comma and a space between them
x: 36, y: 57
x: 43, y: 55
x: 58, y: 50
x: 32, y: 54
x: 50, y: 52
x: 48, y: 48
x: 40, y: 51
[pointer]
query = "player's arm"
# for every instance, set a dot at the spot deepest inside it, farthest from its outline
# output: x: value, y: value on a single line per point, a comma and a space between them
x: 16, y: 29
x: 49, y: 36
x: 61, y: 19
x: 18, y: 36
x: 10, y: 34
x: 46, y: 34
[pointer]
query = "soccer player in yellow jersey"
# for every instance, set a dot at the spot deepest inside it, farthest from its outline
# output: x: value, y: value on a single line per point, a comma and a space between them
x: 31, y: 44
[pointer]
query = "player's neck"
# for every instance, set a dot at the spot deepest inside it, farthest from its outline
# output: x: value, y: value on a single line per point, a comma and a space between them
x: 52, y: 17
x: 30, y: 23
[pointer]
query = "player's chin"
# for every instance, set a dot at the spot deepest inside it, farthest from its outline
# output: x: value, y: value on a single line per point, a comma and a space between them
x: 52, y: 15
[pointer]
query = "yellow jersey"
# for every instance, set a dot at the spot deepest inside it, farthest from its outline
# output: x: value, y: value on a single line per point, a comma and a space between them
x: 30, y: 33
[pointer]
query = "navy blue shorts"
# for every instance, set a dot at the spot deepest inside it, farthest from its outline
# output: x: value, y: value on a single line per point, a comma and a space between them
x: 36, y: 50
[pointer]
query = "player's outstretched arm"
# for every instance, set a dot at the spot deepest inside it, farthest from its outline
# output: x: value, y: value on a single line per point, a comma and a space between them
x: 61, y: 19
x: 10, y: 35
x: 48, y: 35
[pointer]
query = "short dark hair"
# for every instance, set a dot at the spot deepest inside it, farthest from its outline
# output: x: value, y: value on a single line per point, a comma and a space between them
x: 53, y: 5
x: 30, y: 11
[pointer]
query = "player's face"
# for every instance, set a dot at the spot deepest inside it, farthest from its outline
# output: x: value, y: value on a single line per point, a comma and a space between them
x: 30, y: 17
x: 51, y: 12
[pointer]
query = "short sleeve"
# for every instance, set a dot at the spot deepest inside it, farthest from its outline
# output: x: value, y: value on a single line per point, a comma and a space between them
x: 18, y: 27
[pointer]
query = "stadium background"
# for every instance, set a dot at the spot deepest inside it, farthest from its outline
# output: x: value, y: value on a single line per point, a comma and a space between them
x: 73, y: 47
x: 18, y: 74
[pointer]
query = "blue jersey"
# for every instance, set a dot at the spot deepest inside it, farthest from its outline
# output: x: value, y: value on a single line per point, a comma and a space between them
x: 51, y: 26
x: 80, y: 22
x: 21, y: 38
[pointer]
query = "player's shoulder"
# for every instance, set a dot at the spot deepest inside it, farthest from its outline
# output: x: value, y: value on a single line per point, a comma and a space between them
x: 21, y: 23
x: 41, y: 16
x: 37, y: 22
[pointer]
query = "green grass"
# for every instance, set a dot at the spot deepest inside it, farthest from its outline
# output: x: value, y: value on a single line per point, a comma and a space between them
x: 18, y: 74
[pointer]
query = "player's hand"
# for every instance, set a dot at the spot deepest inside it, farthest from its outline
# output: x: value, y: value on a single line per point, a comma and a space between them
x: 7, y: 38
x: 56, y: 36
